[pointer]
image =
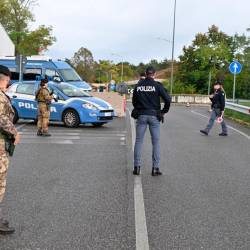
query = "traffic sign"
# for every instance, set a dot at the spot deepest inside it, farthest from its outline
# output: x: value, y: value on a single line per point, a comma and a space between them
x: 235, y: 67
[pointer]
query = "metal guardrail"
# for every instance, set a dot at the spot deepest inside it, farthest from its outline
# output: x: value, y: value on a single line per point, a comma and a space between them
x: 237, y: 107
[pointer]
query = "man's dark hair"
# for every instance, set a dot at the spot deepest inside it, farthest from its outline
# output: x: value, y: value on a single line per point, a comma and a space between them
x: 150, y: 71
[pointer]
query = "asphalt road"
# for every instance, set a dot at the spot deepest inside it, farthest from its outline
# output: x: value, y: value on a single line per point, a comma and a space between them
x: 76, y: 189
x: 70, y: 191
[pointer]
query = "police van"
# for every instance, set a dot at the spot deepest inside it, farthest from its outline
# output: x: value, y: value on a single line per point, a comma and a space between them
x: 71, y: 105
x: 38, y: 67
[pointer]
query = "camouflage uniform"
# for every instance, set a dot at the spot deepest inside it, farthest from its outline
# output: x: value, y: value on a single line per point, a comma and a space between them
x: 6, y: 125
x: 43, y: 98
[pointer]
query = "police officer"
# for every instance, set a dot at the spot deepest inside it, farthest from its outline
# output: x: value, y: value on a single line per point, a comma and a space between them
x: 218, y: 109
x: 6, y: 128
x: 44, y: 98
x: 148, y: 112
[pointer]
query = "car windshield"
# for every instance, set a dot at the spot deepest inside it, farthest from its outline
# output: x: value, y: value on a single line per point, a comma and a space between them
x: 72, y: 91
x: 69, y: 75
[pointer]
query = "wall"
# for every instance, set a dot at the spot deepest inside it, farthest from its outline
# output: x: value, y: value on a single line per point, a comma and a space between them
x: 7, y: 47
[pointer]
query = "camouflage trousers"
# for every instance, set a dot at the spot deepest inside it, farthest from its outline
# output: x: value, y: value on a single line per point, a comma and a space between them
x: 43, y: 117
x: 4, y: 163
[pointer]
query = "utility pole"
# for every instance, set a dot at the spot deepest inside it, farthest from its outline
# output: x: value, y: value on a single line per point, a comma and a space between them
x: 173, y: 45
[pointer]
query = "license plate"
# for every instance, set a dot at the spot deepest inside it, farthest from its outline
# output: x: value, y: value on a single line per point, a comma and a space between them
x: 108, y: 114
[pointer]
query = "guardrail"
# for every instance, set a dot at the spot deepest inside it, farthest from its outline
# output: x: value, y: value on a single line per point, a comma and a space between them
x: 237, y: 107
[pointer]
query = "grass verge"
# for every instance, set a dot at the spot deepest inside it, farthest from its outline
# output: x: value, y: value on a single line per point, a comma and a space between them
x: 243, y: 119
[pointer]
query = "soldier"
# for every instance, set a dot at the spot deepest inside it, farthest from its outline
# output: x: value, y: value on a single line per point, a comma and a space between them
x: 6, y: 128
x: 218, y: 107
x: 44, y: 98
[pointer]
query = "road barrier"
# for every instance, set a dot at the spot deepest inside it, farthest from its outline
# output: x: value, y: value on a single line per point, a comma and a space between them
x: 236, y: 107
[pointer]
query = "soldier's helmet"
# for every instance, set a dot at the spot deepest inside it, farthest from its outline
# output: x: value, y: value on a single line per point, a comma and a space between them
x: 5, y: 71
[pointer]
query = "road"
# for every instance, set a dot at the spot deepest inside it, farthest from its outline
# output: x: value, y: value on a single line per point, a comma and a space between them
x: 76, y: 189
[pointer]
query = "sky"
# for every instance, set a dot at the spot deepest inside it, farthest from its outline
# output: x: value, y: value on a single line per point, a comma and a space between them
x: 131, y: 29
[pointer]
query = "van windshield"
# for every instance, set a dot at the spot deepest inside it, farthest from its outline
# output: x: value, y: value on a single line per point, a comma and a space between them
x: 71, y: 91
x: 69, y: 75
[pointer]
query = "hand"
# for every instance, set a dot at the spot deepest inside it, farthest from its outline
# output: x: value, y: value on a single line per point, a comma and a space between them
x: 17, y: 139
x: 211, y: 96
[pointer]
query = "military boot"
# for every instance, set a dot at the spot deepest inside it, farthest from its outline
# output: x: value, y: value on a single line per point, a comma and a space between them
x: 39, y: 132
x: 46, y: 134
x: 4, y: 227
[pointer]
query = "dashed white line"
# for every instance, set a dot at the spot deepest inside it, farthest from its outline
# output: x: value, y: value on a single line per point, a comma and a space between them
x: 140, y: 216
x: 236, y: 130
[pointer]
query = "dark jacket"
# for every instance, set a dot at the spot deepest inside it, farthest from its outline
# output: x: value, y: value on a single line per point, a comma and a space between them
x: 146, y: 97
x: 218, y: 100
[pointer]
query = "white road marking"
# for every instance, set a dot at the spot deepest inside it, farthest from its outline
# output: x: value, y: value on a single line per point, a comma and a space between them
x: 20, y: 126
x: 140, y: 216
x: 25, y: 141
x: 236, y: 130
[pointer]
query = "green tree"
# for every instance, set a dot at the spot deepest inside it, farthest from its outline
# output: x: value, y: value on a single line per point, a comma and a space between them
x: 16, y: 16
x: 209, y: 52
x: 84, y: 64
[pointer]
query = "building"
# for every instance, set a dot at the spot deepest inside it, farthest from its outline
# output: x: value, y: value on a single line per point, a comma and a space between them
x: 7, y: 47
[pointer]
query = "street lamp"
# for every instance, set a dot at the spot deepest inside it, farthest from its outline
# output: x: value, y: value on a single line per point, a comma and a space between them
x: 114, y: 54
x: 173, y: 44
x: 173, y: 41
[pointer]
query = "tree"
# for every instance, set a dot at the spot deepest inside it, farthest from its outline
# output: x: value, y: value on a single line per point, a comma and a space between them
x: 84, y: 64
x: 209, y: 52
x: 16, y: 16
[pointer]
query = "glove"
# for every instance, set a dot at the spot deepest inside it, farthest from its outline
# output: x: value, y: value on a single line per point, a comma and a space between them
x: 160, y: 117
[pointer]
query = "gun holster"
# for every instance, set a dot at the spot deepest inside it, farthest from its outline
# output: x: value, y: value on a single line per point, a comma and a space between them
x: 9, y: 142
x: 10, y: 146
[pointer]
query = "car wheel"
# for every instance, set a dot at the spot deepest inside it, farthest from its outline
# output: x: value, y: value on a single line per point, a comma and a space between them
x: 98, y: 124
x: 71, y: 118
x: 16, y: 118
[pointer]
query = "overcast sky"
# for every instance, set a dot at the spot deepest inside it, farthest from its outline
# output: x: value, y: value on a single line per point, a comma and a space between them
x: 130, y: 28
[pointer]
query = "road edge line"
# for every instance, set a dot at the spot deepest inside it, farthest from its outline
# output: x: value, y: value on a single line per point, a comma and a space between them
x: 140, y: 215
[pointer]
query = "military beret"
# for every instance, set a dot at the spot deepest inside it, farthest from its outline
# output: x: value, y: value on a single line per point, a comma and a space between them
x: 5, y: 71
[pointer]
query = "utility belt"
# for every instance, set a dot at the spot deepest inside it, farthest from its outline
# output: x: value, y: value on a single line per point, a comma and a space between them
x: 137, y: 112
x: 45, y: 102
x: 9, y: 142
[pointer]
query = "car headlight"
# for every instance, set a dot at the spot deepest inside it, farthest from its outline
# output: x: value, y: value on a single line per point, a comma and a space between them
x: 89, y: 106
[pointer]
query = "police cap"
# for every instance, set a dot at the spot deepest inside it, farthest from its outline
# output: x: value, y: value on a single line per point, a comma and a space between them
x: 5, y: 71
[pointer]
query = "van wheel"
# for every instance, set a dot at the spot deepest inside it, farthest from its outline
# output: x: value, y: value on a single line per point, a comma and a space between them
x: 71, y: 118
x: 16, y: 118
x: 98, y: 124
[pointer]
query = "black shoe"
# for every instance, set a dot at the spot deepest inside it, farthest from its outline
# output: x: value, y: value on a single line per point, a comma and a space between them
x: 223, y: 134
x: 5, y: 229
x: 136, y: 171
x: 204, y: 132
x: 39, y: 133
x: 156, y: 172
x: 46, y: 134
